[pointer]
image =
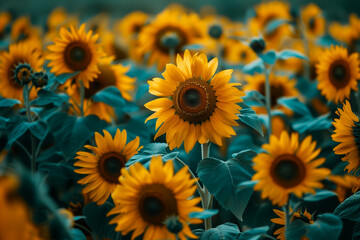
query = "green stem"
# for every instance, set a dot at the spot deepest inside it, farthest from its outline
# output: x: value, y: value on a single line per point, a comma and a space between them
x: 172, y: 55
x: 306, y: 47
x: 287, y: 215
x: 205, y: 152
x: 268, y: 97
x: 82, y: 95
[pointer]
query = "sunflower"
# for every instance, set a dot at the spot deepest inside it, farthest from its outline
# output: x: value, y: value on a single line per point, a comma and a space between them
x: 5, y: 19
x: 265, y: 13
x: 145, y: 199
x: 313, y: 20
x: 194, y: 105
x: 110, y: 75
x: 75, y: 51
x: 347, y: 134
x: 60, y: 18
x: 304, y: 216
x: 337, y: 73
x: 344, y: 33
x: 235, y: 52
x: 346, y: 185
x: 288, y: 167
x: 168, y: 28
x: 280, y: 86
x: 130, y: 25
x: 102, y: 166
x: 23, y: 53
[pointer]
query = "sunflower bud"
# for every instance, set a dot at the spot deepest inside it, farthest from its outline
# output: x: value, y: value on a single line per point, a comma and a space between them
x: 173, y: 224
x: 23, y: 73
x: 215, y: 31
x: 257, y: 45
x: 40, y: 79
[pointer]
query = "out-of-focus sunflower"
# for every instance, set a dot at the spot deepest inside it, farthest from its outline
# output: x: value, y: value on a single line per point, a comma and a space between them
x: 5, y: 19
x: 265, y: 13
x: 117, y: 47
x: 145, y: 199
x: 75, y: 51
x: 235, y: 52
x: 288, y: 167
x: 169, y: 30
x: 346, y: 185
x: 280, y: 86
x: 337, y: 73
x: 294, y: 65
x: 110, y: 75
x: 22, y: 53
x: 347, y: 134
x: 130, y: 25
x: 304, y: 216
x: 343, y: 33
x: 193, y: 104
x: 60, y: 18
x: 315, y: 53
x: 313, y: 20
x: 103, y: 166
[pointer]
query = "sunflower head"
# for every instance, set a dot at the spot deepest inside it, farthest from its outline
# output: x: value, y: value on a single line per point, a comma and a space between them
x: 131, y: 24
x: 75, y: 51
x: 40, y: 79
x: 159, y: 202
x: 313, y: 20
x: 346, y: 185
x: 23, y: 73
x: 238, y: 53
x: 194, y: 105
x: 288, y: 167
x: 337, y: 73
x: 102, y: 166
x: 344, y: 33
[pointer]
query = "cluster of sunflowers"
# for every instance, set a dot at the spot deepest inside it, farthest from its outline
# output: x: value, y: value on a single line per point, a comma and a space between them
x: 256, y: 133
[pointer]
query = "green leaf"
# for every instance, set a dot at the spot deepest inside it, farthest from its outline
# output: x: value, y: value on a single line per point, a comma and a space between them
x: 111, y: 96
x: 295, y: 105
x: 254, y: 233
x: 223, y: 178
x: 350, y: 208
x: 327, y: 226
x: 16, y: 127
x: 77, y: 234
x: 204, y: 214
x: 47, y: 97
x: 255, y: 66
x: 65, y: 76
x: 249, y: 117
x: 287, y: 53
x: 322, y: 122
x: 269, y: 57
x: 39, y: 129
x: 320, y: 196
x: 254, y: 98
x: 226, y: 231
x: 7, y: 102
x: 193, y: 47
x: 275, y: 24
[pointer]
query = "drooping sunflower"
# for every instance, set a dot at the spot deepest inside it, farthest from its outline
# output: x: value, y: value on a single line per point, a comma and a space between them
x: 145, y: 199
x: 280, y: 86
x: 74, y: 51
x: 347, y: 134
x: 288, y: 167
x: 110, y: 75
x: 102, y: 167
x: 313, y: 20
x: 23, y: 53
x: 337, y: 73
x: 346, y: 185
x: 304, y: 216
x: 169, y: 30
x: 194, y: 105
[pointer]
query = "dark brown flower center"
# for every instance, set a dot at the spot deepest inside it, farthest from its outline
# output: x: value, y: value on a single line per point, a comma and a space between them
x: 104, y: 79
x: 194, y: 100
x: 77, y: 56
x: 110, y: 166
x: 156, y: 202
x: 243, y: 55
x: 339, y: 74
x: 277, y: 91
x: 312, y: 23
x: 170, y: 30
x: 287, y: 171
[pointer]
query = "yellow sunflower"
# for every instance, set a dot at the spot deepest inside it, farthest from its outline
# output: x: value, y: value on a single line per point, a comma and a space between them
x: 102, y: 167
x: 280, y: 86
x: 22, y: 52
x: 265, y: 13
x: 110, y: 75
x: 235, y: 52
x: 74, y: 51
x: 337, y: 73
x: 194, y: 105
x: 346, y: 185
x: 5, y: 19
x: 130, y: 25
x: 60, y: 18
x: 344, y: 33
x: 313, y: 20
x: 347, y: 134
x: 145, y: 199
x: 288, y: 167
x: 168, y: 28
x: 305, y: 216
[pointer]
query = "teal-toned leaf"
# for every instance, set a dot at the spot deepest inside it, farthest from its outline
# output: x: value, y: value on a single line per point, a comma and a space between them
x: 226, y: 231
x: 320, y: 196
x: 64, y: 77
x: 222, y: 180
x: 111, y: 96
x: 322, y: 122
x: 16, y: 127
x: 255, y: 66
x: 350, y: 208
x: 296, y: 230
x: 295, y: 105
x: 47, y: 97
x: 204, y: 214
x: 77, y: 218
x: 356, y: 231
x: 249, y: 117
x: 327, y: 226
x: 287, y: 53
x: 193, y: 47
x: 39, y: 129
x: 254, y: 98
x: 254, y: 233
x: 77, y: 234
x: 326, y: 41
x: 275, y: 24
x: 7, y: 102
x: 269, y: 57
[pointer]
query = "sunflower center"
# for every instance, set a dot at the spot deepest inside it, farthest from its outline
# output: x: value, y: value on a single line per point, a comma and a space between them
x: 287, y: 171
x: 277, y: 91
x: 105, y: 78
x: 243, y: 55
x: 77, y: 56
x: 339, y: 74
x: 356, y: 133
x: 156, y: 202
x: 312, y: 23
x: 215, y: 31
x: 170, y: 38
x: 110, y: 166
x: 194, y: 100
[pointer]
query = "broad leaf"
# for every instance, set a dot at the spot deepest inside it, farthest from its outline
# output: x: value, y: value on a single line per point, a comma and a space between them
x: 226, y: 231
x: 249, y: 117
x: 111, y: 96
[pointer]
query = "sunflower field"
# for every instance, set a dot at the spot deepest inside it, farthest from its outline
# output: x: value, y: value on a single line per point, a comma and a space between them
x: 180, y: 124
